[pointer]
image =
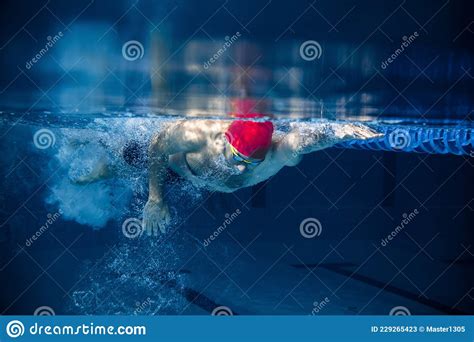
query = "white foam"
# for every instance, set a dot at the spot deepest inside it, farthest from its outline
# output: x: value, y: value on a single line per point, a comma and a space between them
x: 94, y: 204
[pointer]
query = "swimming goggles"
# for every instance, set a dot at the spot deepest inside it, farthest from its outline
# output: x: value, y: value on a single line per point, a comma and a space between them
x: 238, y: 157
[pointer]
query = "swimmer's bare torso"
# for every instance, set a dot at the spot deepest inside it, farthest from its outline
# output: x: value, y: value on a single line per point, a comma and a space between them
x: 210, y: 166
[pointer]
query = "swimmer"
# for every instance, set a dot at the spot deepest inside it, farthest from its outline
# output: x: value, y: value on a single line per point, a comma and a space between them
x: 229, y: 155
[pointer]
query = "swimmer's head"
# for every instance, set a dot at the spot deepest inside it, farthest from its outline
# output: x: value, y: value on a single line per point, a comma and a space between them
x: 249, y: 141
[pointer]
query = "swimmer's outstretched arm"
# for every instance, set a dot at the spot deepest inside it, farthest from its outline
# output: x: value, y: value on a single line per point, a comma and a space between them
x: 175, y: 138
x: 307, y: 137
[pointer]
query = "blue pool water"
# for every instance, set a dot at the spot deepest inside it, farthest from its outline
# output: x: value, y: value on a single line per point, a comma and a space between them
x: 261, y: 264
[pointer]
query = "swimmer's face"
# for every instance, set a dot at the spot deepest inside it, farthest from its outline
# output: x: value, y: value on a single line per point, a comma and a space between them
x: 239, y: 162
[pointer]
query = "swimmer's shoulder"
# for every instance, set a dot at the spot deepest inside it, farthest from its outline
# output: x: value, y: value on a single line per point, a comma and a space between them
x: 202, y: 126
x: 277, y: 157
x: 197, y: 134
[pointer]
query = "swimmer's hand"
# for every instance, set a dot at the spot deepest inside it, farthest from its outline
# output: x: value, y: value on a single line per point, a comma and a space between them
x: 358, y: 131
x: 156, y: 215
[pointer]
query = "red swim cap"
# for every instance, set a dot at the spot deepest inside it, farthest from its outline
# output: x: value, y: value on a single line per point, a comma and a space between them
x: 251, y: 138
x: 247, y: 107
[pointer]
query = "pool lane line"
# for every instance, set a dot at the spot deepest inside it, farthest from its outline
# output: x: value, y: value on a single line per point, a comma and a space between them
x: 339, y: 268
x: 194, y: 297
